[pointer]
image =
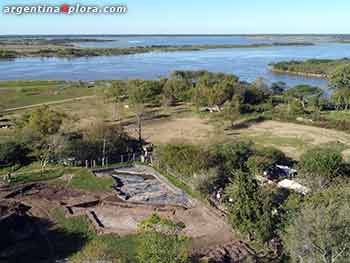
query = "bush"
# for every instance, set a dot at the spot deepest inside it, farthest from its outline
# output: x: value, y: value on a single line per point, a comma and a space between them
x: 319, y: 166
x: 205, y: 181
x: 186, y: 159
x: 266, y: 158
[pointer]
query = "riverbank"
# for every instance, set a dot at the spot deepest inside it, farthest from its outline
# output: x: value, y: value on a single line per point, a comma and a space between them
x: 304, y: 74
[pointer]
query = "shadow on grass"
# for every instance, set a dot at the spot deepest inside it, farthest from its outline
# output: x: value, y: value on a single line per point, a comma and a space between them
x: 30, y: 239
x: 247, y: 123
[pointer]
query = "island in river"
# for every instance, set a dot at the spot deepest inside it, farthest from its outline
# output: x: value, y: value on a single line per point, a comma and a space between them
x: 321, y: 68
x: 65, y: 48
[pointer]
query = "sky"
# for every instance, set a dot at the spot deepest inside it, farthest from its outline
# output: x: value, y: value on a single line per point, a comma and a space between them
x: 188, y: 17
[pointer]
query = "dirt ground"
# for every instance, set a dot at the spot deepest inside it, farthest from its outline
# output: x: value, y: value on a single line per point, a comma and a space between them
x: 186, y: 129
x: 202, y: 224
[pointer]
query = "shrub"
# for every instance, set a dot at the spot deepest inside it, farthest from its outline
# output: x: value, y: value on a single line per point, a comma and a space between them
x: 160, y: 242
x: 186, y: 159
x: 319, y: 166
x: 205, y: 181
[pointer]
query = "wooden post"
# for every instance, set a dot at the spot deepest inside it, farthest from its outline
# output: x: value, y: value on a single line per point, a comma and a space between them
x: 86, y: 164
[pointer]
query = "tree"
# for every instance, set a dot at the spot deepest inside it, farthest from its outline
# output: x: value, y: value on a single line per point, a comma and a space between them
x: 321, y: 231
x: 40, y: 133
x: 174, y: 90
x: 278, y: 88
x: 12, y: 153
x: 247, y: 211
x: 137, y: 92
x: 229, y: 157
x: 340, y: 77
x: 161, y: 242
x: 303, y: 93
x: 319, y: 166
x: 295, y: 106
x: 232, y: 110
x: 341, y: 98
x: 45, y: 121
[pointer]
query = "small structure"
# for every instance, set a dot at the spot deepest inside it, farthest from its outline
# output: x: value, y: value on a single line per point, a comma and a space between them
x: 294, y: 186
x: 279, y: 171
x: 289, y: 172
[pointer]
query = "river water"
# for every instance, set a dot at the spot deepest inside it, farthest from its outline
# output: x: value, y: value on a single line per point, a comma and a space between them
x: 247, y: 63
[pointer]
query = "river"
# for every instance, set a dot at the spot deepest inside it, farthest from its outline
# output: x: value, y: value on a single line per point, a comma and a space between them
x: 247, y: 63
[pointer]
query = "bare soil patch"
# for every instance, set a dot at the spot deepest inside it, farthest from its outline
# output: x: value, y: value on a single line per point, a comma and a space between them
x: 187, y: 129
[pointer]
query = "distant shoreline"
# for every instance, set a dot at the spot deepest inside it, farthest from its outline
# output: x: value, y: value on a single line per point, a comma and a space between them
x: 304, y: 74
x: 12, y: 52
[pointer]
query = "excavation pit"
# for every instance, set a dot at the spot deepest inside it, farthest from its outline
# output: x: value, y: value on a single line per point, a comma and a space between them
x: 144, y: 185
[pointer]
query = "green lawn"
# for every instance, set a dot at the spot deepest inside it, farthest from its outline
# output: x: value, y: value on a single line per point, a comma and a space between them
x: 29, y: 177
x: 84, y: 179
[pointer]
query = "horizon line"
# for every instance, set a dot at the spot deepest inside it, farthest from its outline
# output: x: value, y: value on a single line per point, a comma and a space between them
x: 195, y: 34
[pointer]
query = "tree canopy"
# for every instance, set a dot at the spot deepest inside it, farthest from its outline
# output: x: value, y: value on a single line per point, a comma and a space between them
x: 321, y: 231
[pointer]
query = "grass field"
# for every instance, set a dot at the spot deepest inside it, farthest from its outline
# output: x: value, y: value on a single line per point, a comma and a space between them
x: 336, y: 115
x: 15, y: 94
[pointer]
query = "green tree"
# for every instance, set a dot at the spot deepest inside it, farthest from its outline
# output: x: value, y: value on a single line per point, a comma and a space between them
x: 340, y: 77
x: 295, y: 106
x: 175, y: 90
x: 45, y: 121
x: 321, y: 231
x: 12, y: 153
x: 341, y: 98
x: 303, y: 93
x: 247, y: 211
x: 40, y: 134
